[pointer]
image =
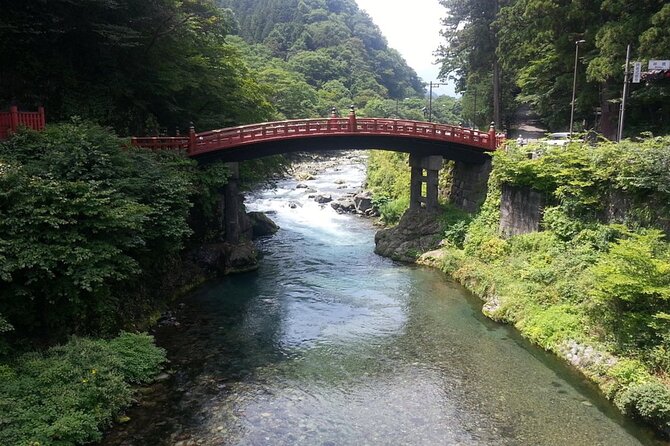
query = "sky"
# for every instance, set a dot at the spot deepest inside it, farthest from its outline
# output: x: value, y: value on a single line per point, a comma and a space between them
x: 413, y: 28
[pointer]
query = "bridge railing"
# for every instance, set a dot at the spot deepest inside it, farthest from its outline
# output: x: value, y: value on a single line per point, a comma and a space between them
x: 426, y: 130
x: 161, y: 142
x: 11, y: 120
x: 248, y: 134
x: 214, y: 140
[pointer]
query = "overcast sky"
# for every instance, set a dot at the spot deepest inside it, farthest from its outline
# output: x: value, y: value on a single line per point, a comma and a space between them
x: 413, y: 28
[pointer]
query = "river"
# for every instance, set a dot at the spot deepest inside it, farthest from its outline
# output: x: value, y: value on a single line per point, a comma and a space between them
x: 330, y: 344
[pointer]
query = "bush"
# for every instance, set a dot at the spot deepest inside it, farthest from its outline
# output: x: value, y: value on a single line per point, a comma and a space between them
x: 64, y: 396
x: 456, y: 222
x: 80, y: 214
x: 548, y: 327
x: 632, y: 287
x: 649, y: 401
x: 607, y: 285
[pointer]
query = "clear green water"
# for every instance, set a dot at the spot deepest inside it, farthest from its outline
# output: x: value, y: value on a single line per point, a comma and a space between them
x: 329, y: 344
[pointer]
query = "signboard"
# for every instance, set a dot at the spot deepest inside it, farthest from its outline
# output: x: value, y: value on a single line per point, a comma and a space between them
x: 637, y: 72
x: 659, y: 65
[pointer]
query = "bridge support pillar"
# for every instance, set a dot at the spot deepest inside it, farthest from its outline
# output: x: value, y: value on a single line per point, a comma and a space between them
x: 425, y: 170
x: 231, y: 196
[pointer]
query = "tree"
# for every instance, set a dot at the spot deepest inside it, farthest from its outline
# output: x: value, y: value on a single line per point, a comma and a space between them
x: 289, y: 93
x: 131, y: 64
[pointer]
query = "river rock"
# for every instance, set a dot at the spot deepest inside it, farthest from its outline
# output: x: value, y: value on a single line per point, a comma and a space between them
x: 227, y: 258
x: 434, y: 259
x: 305, y: 176
x: 301, y: 186
x: 363, y: 201
x: 418, y: 231
x: 344, y: 205
x: 261, y: 224
x: 322, y: 199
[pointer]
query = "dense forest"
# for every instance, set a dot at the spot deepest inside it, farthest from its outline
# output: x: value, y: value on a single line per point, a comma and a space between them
x: 154, y: 67
x: 523, y: 51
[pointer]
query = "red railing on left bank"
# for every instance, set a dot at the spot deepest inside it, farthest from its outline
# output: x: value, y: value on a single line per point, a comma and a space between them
x: 11, y: 120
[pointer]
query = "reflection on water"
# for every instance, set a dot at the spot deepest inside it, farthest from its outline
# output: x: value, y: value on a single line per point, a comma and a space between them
x: 329, y: 344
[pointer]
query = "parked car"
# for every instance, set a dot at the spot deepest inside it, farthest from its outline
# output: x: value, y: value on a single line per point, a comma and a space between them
x: 557, y: 139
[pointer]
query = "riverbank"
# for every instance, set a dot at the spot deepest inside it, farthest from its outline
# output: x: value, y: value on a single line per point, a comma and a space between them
x: 595, y: 294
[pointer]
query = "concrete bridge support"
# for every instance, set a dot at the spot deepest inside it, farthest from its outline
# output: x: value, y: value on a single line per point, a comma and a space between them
x: 424, y: 170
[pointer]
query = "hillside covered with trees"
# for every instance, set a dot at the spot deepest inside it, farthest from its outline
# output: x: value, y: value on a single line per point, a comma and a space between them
x: 154, y: 67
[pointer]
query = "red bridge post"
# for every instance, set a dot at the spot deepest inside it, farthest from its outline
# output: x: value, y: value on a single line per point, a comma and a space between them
x: 191, y: 138
x: 42, y: 115
x: 352, y: 118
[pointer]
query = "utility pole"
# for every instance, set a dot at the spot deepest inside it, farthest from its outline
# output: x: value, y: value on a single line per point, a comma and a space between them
x: 496, y: 73
x: 622, y: 111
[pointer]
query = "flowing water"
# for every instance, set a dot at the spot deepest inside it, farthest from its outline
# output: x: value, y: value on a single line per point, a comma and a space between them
x: 329, y: 344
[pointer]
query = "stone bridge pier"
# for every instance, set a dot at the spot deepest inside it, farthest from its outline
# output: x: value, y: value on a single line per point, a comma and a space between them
x: 469, y: 183
x: 424, y: 178
x: 421, y: 228
x: 231, y: 250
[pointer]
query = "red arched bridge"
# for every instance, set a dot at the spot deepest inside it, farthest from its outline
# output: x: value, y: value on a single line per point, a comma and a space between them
x: 269, y: 138
x: 426, y: 142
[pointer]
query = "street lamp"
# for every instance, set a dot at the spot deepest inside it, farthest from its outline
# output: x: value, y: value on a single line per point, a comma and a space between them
x: 430, y: 98
x: 574, y: 85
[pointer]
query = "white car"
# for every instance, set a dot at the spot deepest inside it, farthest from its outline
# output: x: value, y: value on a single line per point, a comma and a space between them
x: 557, y: 139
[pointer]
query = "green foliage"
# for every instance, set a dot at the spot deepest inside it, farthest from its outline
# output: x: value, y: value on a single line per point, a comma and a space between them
x: 582, y: 178
x: 333, y: 46
x: 649, y: 401
x: 391, y: 210
x: 533, y: 42
x: 633, y: 288
x: 455, y: 222
x: 455, y: 233
x: 628, y: 371
x: 81, y: 214
x: 549, y: 327
x: 263, y: 170
x: 388, y: 174
x: 64, y: 396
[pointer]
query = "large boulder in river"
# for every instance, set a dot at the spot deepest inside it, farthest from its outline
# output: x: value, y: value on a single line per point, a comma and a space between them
x: 363, y: 202
x: 344, y: 205
x: 417, y: 232
x: 224, y: 258
x: 261, y: 224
